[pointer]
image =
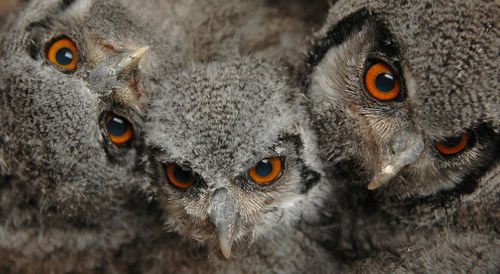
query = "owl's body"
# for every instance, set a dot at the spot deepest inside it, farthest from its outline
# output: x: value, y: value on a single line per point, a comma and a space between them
x: 67, y: 191
x: 197, y: 127
x: 228, y: 106
x: 405, y: 101
x: 75, y: 77
x: 216, y: 118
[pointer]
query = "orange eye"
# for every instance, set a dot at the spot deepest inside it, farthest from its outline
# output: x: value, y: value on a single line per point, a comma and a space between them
x: 119, y: 129
x: 179, y: 177
x: 266, y: 171
x: 63, y: 53
x: 381, y: 82
x: 453, y: 145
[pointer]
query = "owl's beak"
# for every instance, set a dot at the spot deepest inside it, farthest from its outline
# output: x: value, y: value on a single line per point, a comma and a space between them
x: 115, y: 74
x: 128, y: 61
x: 224, y: 214
x: 404, y: 149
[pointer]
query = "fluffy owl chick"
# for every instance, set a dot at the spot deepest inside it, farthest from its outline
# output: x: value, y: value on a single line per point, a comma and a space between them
x: 70, y: 76
x: 234, y: 165
x: 405, y: 98
x: 407, y: 104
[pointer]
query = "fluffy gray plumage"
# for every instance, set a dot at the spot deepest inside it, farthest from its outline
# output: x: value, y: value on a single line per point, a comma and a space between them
x: 206, y: 85
x: 71, y: 199
x: 200, y: 120
x: 216, y: 117
x: 426, y: 211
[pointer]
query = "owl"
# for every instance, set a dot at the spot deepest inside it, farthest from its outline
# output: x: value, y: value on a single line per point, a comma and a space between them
x: 71, y: 75
x: 234, y: 165
x: 76, y: 82
x: 232, y: 161
x: 405, y: 102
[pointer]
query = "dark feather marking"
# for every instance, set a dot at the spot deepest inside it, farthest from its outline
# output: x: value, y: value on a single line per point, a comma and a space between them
x: 44, y: 24
x: 34, y: 45
x: 309, y: 177
x: 33, y: 49
x: 47, y: 21
x: 336, y: 36
x: 66, y: 4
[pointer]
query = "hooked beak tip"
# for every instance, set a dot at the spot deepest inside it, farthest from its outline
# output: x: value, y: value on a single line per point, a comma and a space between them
x: 382, y: 178
x: 404, y: 150
x: 138, y: 53
x: 225, y: 244
x: 129, y: 61
x: 374, y: 185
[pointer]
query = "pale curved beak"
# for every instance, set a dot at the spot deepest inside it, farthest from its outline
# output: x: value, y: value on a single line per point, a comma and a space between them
x: 224, y: 213
x: 225, y: 242
x: 404, y: 149
x: 128, y: 61
x: 109, y: 76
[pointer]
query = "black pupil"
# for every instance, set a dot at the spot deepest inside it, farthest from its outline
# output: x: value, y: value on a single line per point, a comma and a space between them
x: 182, y: 175
x: 117, y: 126
x: 385, y: 82
x: 264, y: 168
x: 64, y: 56
x: 453, y: 141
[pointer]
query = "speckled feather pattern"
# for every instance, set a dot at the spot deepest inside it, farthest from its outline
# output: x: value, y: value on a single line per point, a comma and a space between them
x: 457, y: 49
x: 439, y: 213
x: 218, y: 91
x: 204, y: 123
x: 70, y: 201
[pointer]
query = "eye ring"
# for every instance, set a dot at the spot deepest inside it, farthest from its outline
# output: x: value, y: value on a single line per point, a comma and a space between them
x: 447, y: 149
x: 266, y: 171
x: 179, y: 177
x: 382, y: 82
x: 63, y: 53
x: 119, y: 129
